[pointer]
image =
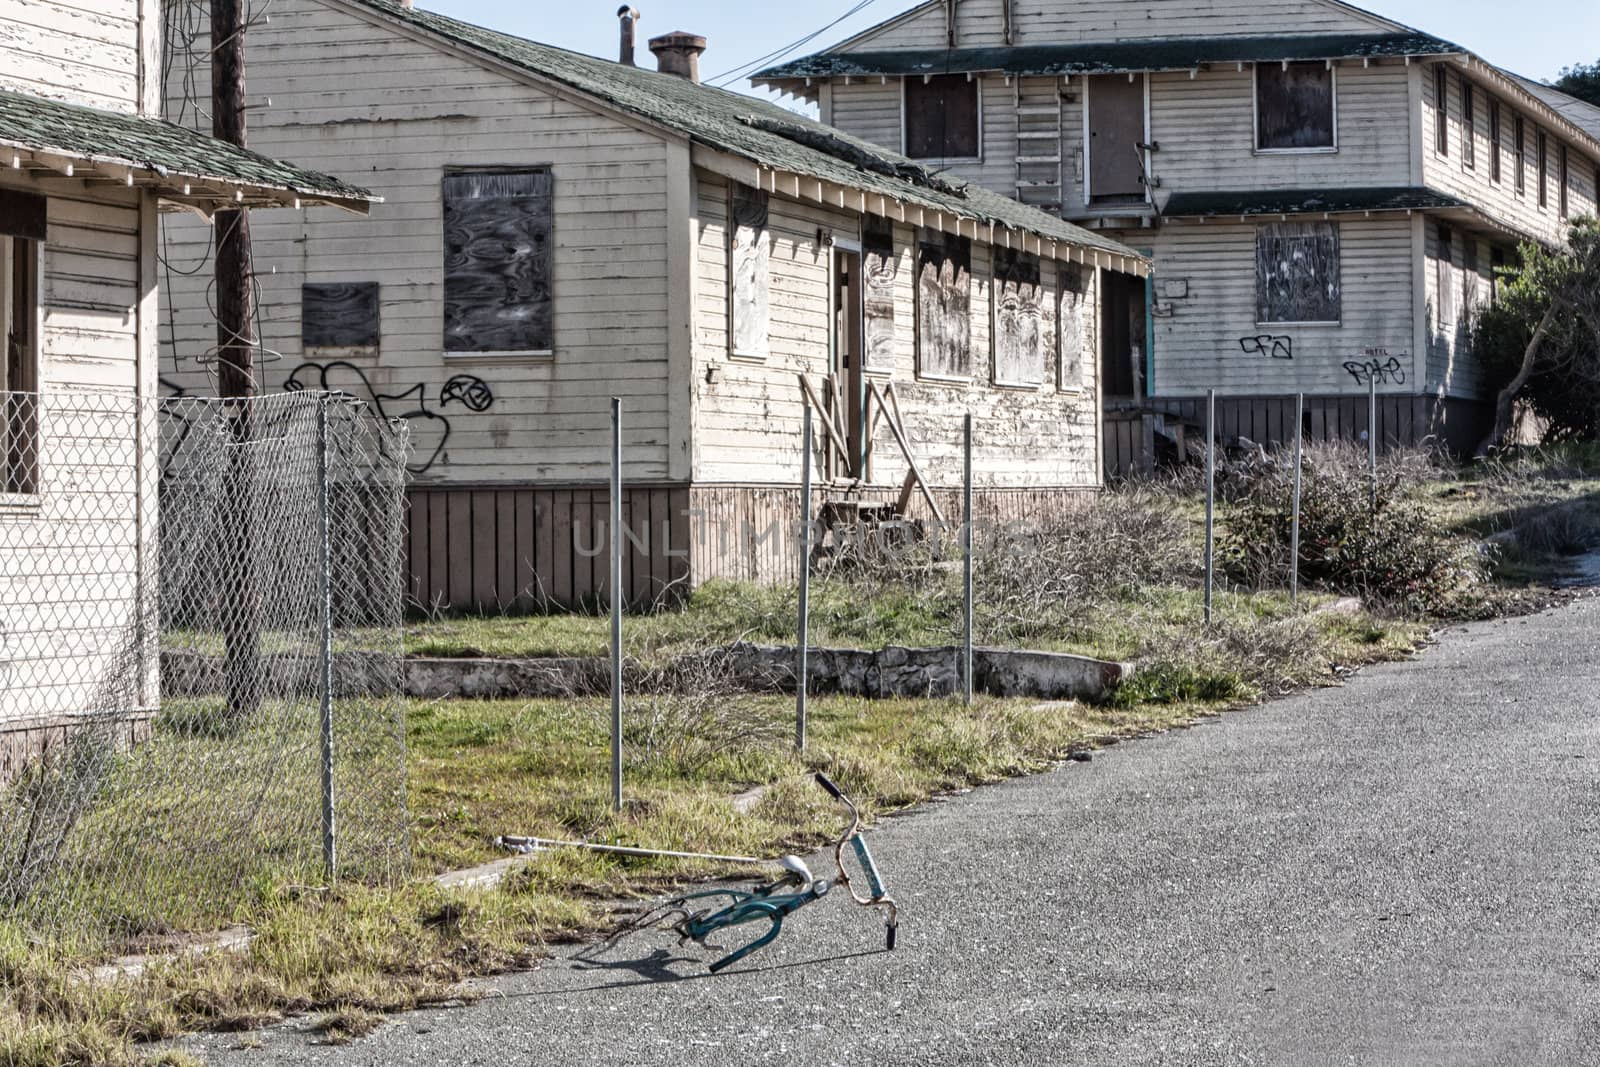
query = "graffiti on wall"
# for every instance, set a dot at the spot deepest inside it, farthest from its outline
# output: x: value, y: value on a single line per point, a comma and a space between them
x: 1377, y: 366
x: 430, y: 429
x: 1276, y: 346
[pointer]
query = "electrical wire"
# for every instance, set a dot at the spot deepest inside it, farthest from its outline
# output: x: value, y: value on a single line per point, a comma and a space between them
x: 722, y: 80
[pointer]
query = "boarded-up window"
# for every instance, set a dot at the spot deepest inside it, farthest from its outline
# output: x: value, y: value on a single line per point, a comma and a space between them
x: 1494, y: 140
x: 1297, y: 272
x: 497, y: 291
x: 339, y: 315
x: 942, y: 117
x: 1294, y: 106
x: 1018, y: 319
x: 1441, y: 110
x: 1563, y: 175
x: 1445, y: 282
x: 1072, y: 324
x: 20, y: 213
x: 1519, y: 153
x: 1469, y: 274
x: 1541, y: 162
x: 944, y: 306
x: 1469, y: 120
x: 748, y: 267
x: 880, y: 265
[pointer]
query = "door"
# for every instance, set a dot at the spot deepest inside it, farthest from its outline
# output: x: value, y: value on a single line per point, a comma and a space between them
x: 847, y: 344
x: 1122, y: 336
x: 1116, y: 129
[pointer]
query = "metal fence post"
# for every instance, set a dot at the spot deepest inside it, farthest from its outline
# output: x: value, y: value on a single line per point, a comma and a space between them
x: 1294, y: 506
x: 802, y: 669
x: 1372, y: 437
x: 330, y: 837
x: 966, y: 552
x: 1211, y: 485
x: 616, y: 603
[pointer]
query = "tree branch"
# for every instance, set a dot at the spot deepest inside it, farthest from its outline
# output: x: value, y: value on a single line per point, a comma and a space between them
x: 1503, y: 405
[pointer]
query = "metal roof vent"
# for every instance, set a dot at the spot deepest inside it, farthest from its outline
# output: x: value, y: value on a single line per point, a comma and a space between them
x: 629, y: 16
x: 679, y: 53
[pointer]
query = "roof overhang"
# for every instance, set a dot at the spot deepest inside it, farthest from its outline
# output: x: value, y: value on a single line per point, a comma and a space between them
x: 51, y: 140
x: 1110, y: 57
x: 808, y: 189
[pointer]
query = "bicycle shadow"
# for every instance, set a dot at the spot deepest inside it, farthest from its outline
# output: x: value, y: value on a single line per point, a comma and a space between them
x: 655, y: 969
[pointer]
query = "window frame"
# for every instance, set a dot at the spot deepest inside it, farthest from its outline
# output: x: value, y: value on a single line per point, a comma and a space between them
x: 920, y: 240
x: 1338, y: 247
x: 1563, y: 176
x: 1444, y: 278
x: 1541, y: 141
x: 1441, y: 110
x: 1255, y: 113
x: 23, y: 491
x: 1043, y: 295
x: 1519, y: 153
x: 466, y: 355
x: 736, y: 189
x: 1469, y: 119
x: 905, y: 112
x: 1495, y: 133
x: 1082, y: 276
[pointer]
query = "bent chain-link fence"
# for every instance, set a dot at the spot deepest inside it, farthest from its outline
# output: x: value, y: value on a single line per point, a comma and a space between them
x: 199, y: 654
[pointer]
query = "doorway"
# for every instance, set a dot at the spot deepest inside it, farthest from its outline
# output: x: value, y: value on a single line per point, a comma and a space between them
x: 1122, y: 340
x: 847, y: 345
x: 1114, y: 132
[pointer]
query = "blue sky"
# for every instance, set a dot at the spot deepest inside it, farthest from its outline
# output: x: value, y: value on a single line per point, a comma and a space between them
x: 1532, y: 37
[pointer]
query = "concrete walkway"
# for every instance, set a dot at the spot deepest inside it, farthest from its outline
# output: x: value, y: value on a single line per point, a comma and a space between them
x: 1402, y: 871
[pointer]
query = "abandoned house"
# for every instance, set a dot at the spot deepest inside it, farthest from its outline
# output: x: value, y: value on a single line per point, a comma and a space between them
x: 1324, y: 193
x: 559, y: 229
x: 85, y: 164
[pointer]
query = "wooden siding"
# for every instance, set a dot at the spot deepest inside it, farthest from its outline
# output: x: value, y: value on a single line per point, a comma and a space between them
x: 524, y: 548
x: 980, y: 22
x: 412, y: 111
x: 81, y: 51
x: 70, y: 559
x: 748, y: 414
x: 1211, y: 340
x: 1448, y: 324
x: 1450, y: 174
x: 1455, y: 424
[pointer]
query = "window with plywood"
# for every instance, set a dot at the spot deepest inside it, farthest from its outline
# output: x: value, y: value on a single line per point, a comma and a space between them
x: 749, y: 272
x: 941, y: 117
x: 1295, y: 106
x: 497, y: 261
x: 1018, y: 319
x: 944, y: 306
x: 1297, y: 272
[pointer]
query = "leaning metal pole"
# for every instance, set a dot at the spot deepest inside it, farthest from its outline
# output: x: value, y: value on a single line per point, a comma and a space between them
x: 803, y: 667
x: 966, y: 561
x: 1211, y: 492
x: 325, y: 606
x: 1372, y: 438
x: 616, y: 603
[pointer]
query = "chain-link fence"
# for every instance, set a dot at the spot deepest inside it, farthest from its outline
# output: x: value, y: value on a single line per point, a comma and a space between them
x: 199, y: 653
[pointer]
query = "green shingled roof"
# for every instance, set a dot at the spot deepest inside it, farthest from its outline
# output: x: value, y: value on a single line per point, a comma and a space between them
x: 1306, y: 201
x: 1107, y: 57
x: 158, y: 151
x: 753, y: 129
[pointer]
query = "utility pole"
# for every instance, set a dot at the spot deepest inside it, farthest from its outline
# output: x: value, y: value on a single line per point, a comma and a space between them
x: 236, y: 372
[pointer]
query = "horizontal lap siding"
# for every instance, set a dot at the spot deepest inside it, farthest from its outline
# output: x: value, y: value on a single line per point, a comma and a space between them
x: 979, y: 22
x: 1198, y: 346
x: 1449, y: 173
x: 68, y: 569
x: 748, y: 416
x: 1452, y: 368
x: 80, y: 51
x: 1206, y: 129
x: 409, y: 113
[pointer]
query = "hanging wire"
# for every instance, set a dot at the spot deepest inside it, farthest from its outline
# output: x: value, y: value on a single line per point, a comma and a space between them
x: 724, y: 79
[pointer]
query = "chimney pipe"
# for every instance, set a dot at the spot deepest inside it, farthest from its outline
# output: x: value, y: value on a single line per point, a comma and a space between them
x: 679, y: 53
x: 629, y: 16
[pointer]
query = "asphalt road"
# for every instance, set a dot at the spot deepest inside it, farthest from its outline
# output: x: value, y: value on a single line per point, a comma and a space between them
x: 1400, y: 871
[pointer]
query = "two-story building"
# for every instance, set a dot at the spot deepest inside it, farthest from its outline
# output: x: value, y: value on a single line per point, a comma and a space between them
x: 1325, y: 192
x: 86, y: 163
x: 558, y: 229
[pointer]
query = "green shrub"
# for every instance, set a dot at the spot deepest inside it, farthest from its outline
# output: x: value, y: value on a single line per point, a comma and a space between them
x: 1391, y: 552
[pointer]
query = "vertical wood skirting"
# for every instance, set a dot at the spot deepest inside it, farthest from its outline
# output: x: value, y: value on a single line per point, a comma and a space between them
x: 1403, y: 421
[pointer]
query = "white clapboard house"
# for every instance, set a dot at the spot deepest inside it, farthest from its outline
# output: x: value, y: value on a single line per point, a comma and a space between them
x: 1325, y: 192
x: 85, y: 165
x: 559, y: 229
